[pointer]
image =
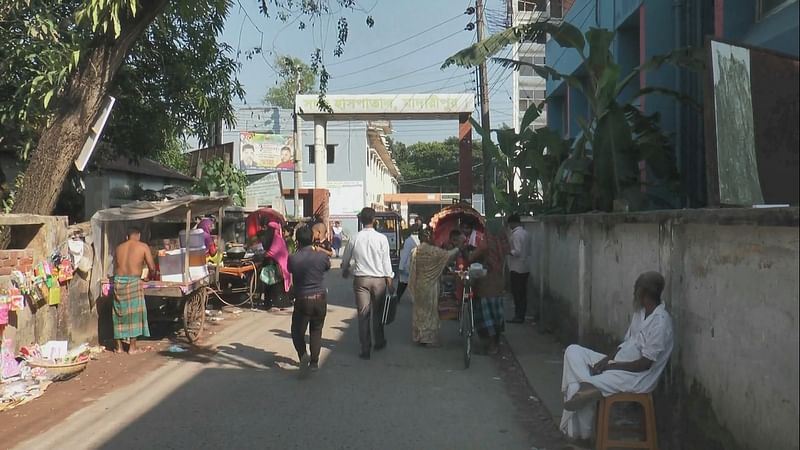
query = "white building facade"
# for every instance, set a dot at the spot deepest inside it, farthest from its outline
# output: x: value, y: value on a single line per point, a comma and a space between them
x: 529, y: 88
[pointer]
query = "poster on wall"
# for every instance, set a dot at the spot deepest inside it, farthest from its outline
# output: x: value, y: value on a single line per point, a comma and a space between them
x: 347, y: 197
x: 265, y: 151
x: 751, y: 128
x: 266, y: 191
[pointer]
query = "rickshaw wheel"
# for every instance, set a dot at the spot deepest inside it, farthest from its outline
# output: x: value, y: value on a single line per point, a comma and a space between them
x: 194, y: 314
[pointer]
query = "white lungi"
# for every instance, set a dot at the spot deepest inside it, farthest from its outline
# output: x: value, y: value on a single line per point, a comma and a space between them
x: 649, y: 337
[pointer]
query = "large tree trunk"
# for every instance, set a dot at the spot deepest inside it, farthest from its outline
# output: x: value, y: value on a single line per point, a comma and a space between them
x: 77, y: 107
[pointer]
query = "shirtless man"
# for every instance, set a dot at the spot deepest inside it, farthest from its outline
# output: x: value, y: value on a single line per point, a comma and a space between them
x: 129, y: 307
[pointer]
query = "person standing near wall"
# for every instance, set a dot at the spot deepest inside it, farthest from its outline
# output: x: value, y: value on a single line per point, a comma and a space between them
x: 519, y: 267
x: 367, y: 257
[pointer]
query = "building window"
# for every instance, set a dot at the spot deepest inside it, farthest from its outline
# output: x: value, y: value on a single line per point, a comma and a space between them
x: 526, y: 71
x: 331, y: 156
x: 539, y: 37
x: 532, y: 5
x: 539, y: 94
x: 767, y: 7
x: 538, y: 60
x: 555, y: 9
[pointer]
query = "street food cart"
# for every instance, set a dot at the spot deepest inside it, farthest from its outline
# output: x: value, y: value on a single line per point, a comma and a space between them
x: 182, y: 298
x: 237, y: 283
x: 388, y: 223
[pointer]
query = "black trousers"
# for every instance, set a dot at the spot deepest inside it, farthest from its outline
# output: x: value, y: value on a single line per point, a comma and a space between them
x: 401, y: 289
x: 309, y: 312
x: 519, y: 290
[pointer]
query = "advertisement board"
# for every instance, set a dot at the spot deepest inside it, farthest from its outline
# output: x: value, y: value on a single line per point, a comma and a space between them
x: 265, y: 151
x: 265, y: 191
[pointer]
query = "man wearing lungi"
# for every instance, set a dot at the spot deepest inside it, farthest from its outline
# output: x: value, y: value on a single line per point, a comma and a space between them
x: 633, y: 367
x: 129, y: 308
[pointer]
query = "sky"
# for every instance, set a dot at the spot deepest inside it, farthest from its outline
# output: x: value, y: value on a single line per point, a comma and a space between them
x: 402, y: 53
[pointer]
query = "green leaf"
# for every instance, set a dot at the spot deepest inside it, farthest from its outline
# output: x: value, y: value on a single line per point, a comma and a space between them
x: 483, y: 50
x: 569, y: 36
x: 531, y: 114
x: 600, y: 41
x: 76, y: 56
x: 47, y: 97
x: 508, y: 140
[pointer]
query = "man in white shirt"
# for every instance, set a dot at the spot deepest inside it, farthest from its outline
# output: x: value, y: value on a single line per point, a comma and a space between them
x: 518, y: 265
x: 633, y: 367
x: 367, y: 258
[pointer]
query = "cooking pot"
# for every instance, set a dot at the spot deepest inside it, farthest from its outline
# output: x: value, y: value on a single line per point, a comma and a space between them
x: 236, y: 252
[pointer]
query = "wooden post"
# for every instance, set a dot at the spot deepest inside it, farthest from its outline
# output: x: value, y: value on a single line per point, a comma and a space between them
x: 465, y: 186
x: 186, y: 277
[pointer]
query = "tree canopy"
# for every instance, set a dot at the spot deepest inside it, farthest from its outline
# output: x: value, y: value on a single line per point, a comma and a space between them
x: 433, y: 166
x: 296, y: 77
x: 160, y: 58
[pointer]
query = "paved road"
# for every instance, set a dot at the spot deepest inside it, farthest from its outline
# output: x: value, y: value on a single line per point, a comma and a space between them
x: 248, y: 395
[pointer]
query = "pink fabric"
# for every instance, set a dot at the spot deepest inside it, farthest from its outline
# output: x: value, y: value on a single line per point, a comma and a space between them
x: 280, y: 254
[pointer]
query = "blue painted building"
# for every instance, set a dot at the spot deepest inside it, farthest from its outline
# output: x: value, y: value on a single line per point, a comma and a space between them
x: 646, y: 28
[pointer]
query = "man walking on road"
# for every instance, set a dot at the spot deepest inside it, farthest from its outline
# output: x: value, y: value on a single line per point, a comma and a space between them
x: 367, y: 258
x: 518, y: 265
x: 129, y: 307
x: 308, y: 268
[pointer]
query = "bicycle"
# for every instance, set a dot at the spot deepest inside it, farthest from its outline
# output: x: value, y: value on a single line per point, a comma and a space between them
x: 466, y: 318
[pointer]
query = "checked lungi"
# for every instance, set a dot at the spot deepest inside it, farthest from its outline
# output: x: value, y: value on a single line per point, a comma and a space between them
x: 489, y: 316
x: 129, y: 308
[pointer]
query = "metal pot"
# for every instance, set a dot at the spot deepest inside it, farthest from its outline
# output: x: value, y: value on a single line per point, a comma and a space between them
x: 235, y: 253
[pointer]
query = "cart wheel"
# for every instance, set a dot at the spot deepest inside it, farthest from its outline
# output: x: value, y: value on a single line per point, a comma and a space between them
x: 194, y: 314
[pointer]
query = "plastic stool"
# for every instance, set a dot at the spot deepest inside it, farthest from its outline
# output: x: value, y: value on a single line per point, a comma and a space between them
x: 604, y: 442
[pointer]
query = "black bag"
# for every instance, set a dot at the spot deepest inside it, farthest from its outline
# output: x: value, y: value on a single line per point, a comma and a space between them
x: 389, y: 308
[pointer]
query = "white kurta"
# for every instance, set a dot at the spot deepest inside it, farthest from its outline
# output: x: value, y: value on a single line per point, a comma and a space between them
x: 649, y: 338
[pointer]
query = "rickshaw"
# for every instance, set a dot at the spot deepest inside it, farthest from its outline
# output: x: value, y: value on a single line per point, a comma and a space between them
x: 455, y: 295
x: 388, y: 223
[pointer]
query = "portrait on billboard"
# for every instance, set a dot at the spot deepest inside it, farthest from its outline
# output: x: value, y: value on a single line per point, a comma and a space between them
x: 265, y: 151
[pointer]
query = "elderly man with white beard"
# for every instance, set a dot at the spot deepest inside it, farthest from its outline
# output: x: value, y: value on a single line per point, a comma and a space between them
x: 634, y: 367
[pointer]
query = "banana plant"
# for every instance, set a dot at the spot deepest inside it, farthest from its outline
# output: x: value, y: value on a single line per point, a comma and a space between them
x: 534, y: 155
x: 603, y: 164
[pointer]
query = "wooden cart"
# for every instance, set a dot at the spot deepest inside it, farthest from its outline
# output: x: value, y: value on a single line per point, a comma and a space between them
x: 190, y: 294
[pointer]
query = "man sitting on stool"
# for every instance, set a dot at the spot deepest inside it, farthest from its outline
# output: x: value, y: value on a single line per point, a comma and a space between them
x: 633, y: 367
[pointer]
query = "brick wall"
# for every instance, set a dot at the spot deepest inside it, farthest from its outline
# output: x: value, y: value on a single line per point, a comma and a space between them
x: 11, y: 260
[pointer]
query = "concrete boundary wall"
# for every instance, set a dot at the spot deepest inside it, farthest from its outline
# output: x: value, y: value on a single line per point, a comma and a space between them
x: 732, y: 289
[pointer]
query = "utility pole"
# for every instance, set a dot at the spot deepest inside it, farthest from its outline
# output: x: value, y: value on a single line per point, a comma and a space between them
x: 298, y: 151
x: 488, y: 165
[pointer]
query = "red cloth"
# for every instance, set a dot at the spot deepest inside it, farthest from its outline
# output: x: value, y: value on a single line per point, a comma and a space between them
x: 253, y: 220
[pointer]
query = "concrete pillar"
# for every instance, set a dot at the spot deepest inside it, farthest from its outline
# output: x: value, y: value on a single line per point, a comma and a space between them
x: 320, y: 154
x: 404, y: 212
x: 465, y: 185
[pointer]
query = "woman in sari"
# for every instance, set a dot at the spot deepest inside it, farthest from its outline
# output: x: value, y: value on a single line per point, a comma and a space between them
x: 276, y: 253
x: 427, y: 264
x: 207, y: 225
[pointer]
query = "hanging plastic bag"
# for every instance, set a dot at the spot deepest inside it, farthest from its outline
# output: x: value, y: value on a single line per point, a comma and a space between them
x: 270, y: 274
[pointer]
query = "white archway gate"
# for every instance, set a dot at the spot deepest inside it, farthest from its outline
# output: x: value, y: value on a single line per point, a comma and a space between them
x: 391, y: 107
